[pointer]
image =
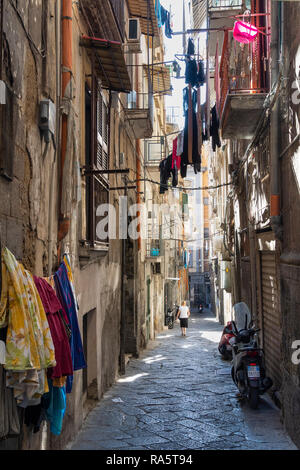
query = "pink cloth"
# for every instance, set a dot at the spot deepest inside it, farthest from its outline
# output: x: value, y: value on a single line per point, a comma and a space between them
x: 60, y: 339
x: 175, y: 158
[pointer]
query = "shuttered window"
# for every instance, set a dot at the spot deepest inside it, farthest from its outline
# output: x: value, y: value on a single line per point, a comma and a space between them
x: 271, y: 317
x: 97, y: 158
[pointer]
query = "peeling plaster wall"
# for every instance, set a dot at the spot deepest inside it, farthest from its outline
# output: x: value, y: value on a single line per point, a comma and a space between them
x: 290, y: 195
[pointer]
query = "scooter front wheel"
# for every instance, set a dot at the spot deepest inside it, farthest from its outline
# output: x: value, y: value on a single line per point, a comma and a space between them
x: 253, y: 398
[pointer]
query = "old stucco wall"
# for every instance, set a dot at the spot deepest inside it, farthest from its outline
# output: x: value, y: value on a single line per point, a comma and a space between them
x: 290, y: 194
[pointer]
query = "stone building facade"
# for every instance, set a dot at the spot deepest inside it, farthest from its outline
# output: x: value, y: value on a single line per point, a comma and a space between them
x: 76, y: 59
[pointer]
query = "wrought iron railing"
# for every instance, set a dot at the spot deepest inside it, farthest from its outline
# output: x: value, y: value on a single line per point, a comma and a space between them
x: 153, y: 248
x: 243, y: 69
x: 225, y: 4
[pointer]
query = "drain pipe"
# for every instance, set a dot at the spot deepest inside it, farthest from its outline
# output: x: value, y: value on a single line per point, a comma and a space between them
x: 66, y: 77
x: 57, y: 134
x: 275, y: 213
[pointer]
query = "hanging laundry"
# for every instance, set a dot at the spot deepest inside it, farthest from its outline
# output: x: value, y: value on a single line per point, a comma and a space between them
x: 158, y: 12
x: 29, y: 345
x: 9, y: 417
x: 67, y: 262
x: 54, y: 403
x: 176, y: 159
x: 28, y: 386
x: 191, y: 72
x: 186, y: 99
x: 65, y: 295
x: 199, y: 121
x: 166, y: 20
x: 53, y: 309
x: 201, y: 73
x: 214, y: 129
x: 165, y: 168
x: 179, y: 150
x: 176, y: 69
x: 196, y: 158
x: 183, y: 169
x: 168, y: 29
x: 191, y: 47
x: 203, y: 123
x: 33, y: 417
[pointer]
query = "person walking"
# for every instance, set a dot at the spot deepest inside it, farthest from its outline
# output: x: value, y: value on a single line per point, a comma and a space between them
x: 183, y: 315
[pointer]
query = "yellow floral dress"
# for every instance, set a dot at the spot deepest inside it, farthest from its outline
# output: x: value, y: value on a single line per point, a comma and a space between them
x: 29, y: 343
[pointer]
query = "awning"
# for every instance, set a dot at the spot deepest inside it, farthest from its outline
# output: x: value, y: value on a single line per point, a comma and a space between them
x: 109, y: 63
x: 161, y: 78
x: 101, y: 18
x: 139, y: 9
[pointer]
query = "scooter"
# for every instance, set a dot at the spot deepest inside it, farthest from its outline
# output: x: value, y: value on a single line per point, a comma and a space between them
x: 225, y: 348
x: 171, y: 316
x: 248, y: 369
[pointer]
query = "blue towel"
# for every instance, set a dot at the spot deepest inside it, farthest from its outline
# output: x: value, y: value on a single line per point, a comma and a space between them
x: 66, y: 297
x: 54, y: 403
x: 158, y: 12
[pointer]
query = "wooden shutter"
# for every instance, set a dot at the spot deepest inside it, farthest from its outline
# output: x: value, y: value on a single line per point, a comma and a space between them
x: 271, y: 317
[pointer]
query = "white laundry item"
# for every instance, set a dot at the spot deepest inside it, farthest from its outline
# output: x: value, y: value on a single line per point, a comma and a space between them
x: 2, y: 352
x: 180, y: 144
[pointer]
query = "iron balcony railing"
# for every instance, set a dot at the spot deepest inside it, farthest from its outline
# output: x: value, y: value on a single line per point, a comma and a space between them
x: 153, y: 248
x: 242, y: 73
x: 224, y: 4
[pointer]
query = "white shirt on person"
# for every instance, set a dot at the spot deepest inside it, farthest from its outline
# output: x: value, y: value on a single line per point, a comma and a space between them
x: 183, y: 312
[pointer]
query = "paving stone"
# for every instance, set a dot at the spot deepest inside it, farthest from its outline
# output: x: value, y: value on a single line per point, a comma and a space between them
x: 186, y: 401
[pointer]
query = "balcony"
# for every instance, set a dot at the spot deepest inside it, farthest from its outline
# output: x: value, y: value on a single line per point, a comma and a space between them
x: 139, y: 113
x: 221, y: 5
x: 243, y: 87
x: 153, y: 250
x: 221, y: 15
x: 105, y: 20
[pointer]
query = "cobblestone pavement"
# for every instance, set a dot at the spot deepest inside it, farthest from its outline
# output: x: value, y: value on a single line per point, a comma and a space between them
x: 179, y: 395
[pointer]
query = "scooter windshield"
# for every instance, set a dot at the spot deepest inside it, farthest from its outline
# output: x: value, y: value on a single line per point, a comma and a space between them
x: 241, y: 316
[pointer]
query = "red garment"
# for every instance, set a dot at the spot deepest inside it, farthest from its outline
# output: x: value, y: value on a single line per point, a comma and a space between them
x: 60, y: 339
x: 175, y: 158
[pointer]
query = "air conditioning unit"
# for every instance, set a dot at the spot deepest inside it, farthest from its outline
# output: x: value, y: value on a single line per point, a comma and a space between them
x: 134, y: 35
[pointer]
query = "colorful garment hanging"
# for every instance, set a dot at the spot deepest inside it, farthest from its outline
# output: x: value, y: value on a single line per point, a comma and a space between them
x: 65, y: 294
x: 176, y: 159
x: 29, y: 343
x: 166, y: 20
x: 158, y: 12
x: 191, y: 72
x: 214, y: 129
x: 180, y: 139
x: 196, y: 157
x: 54, y: 403
x: 60, y: 339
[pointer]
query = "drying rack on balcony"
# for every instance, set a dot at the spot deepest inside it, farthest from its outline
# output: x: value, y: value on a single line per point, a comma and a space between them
x: 242, y: 87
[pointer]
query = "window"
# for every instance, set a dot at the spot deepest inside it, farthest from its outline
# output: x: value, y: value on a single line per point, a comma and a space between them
x: 97, y: 158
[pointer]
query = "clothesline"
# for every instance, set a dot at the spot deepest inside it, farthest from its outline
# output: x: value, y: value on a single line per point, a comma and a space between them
x: 182, y: 188
x: 42, y: 343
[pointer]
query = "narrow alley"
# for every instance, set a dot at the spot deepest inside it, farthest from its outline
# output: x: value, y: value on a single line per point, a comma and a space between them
x: 179, y: 395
